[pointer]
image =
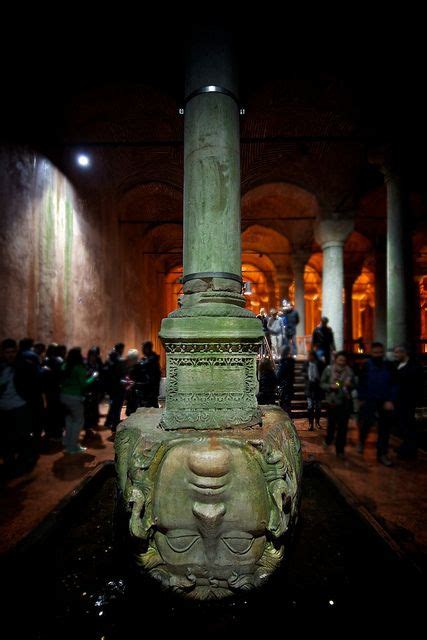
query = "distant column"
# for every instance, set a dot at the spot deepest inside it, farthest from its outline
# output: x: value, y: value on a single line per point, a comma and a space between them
x: 212, y: 245
x: 397, y: 285
x: 349, y: 279
x: 380, y: 321
x: 331, y: 235
x: 284, y: 281
x: 299, y: 260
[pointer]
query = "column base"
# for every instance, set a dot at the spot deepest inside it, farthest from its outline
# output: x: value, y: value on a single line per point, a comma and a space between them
x: 211, y: 372
x: 209, y: 510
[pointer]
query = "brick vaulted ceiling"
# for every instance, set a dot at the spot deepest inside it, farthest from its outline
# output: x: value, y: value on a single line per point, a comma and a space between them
x: 309, y: 122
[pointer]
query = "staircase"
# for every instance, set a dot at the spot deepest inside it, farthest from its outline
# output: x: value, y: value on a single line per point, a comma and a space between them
x: 299, y: 402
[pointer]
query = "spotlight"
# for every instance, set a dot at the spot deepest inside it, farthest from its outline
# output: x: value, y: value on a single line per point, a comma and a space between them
x: 83, y: 160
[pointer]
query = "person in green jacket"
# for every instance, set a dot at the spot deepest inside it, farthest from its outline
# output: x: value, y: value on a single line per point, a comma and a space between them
x: 74, y: 383
x: 338, y: 381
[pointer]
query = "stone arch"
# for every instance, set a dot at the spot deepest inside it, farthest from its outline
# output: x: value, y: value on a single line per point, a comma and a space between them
x: 285, y: 207
x: 271, y: 251
x: 260, y: 295
x: 151, y: 203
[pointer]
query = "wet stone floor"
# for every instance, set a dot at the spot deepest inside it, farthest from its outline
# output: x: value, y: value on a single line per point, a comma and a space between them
x: 75, y: 583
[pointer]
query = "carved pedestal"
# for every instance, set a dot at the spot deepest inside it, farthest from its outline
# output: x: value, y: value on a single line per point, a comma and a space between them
x: 211, y: 372
x: 209, y: 508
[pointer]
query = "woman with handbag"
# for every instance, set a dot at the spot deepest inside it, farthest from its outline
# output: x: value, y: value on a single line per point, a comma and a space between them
x: 338, y: 382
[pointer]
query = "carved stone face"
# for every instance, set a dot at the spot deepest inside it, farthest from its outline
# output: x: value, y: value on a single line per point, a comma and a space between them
x: 211, y: 510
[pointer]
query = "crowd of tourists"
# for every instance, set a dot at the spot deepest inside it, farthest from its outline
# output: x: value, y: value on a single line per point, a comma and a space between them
x: 376, y: 391
x: 51, y: 394
x: 280, y: 328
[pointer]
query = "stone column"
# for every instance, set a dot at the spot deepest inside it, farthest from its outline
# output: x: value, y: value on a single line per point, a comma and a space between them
x: 349, y: 279
x: 351, y: 273
x: 284, y: 281
x: 207, y: 389
x: 299, y: 260
x: 397, y: 286
x: 331, y: 235
x: 212, y: 244
x: 380, y: 322
x: 213, y: 459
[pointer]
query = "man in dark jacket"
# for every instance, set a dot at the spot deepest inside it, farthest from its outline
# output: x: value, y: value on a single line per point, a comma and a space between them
x: 149, y: 375
x: 18, y: 379
x: 292, y: 320
x: 409, y: 391
x: 376, y: 393
x: 312, y: 371
x: 323, y: 341
x: 114, y: 370
x: 267, y: 382
x: 285, y: 379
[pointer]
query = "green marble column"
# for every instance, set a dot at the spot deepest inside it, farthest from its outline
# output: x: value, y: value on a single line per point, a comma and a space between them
x: 212, y: 483
x: 212, y: 341
x: 212, y: 169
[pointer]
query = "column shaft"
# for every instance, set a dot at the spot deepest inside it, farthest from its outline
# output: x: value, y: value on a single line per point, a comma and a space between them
x: 331, y: 235
x: 211, y: 167
x: 396, y: 276
x: 283, y: 282
x: 299, y: 299
x: 332, y: 289
x: 380, y: 333
x: 348, y: 324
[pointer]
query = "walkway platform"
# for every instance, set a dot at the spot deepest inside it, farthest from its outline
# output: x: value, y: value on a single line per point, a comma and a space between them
x: 394, y: 499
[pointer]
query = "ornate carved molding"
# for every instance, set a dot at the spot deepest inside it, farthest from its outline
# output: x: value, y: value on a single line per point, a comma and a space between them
x: 212, y: 347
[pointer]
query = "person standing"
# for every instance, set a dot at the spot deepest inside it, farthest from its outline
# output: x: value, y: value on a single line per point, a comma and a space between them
x: 312, y: 371
x: 55, y: 417
x: 264, y: 319
x: 93, y: 394
x: 150, y: 364
x: 266, y: 344
x: 134, y: 381
x: 376, y: 393
x: 275, y: 328
x: 18, y: 378
x: 267, y: 382
x: 285, y: 379
x: 114, y: 370
x: 338, y: 381
x: 408, y: 377
x: 323, y: 341
x: 292, y: 320
x: 74, y: 384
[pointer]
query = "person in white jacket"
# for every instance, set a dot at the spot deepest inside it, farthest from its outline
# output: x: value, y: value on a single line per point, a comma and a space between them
x: 275, y: 329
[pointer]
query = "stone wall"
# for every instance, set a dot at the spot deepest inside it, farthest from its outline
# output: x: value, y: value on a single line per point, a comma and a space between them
x: 59, y: 257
